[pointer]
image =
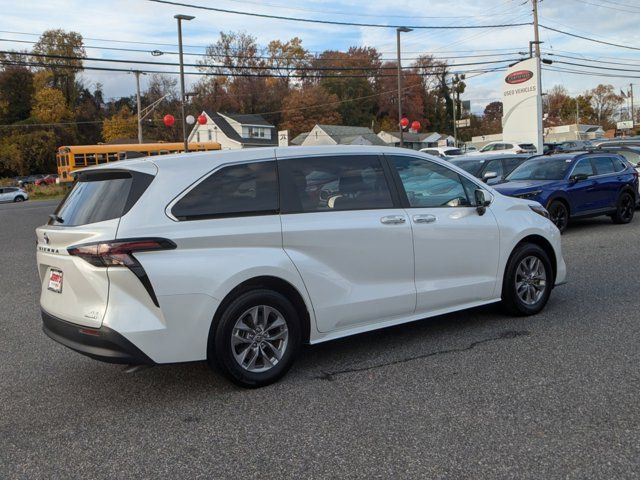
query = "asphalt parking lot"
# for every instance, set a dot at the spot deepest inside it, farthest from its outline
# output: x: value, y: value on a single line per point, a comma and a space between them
x: 475, y: 395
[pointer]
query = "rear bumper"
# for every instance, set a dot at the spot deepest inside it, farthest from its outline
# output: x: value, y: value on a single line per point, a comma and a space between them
x: 102, y: 344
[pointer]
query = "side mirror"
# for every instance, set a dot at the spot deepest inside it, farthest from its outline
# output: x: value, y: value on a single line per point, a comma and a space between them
x: 579, y: 177
x: 489, y: 176
x: 481, y: 201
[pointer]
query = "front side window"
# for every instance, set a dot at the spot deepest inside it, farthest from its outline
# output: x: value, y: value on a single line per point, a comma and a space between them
x: 541, y: 168
x: 603, y: 165
x: 489, y: 148
x: 236, y: 190
x: 332, y: 183
x: 428, y: 184
x: 583, y: 167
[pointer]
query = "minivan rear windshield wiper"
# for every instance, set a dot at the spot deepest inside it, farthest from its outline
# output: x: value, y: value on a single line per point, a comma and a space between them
x: 56, y: 218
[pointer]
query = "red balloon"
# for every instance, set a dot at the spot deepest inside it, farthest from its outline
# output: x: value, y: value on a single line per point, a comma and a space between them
x: 404, y: 122
x: 416, y: 126
x: 202, y: 119
x: 169, y: 120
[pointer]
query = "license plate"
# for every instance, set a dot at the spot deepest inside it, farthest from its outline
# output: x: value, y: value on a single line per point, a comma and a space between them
x: 55, y: 281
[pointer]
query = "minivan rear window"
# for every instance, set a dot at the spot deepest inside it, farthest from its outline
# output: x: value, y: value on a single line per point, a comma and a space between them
x: 100, y: 196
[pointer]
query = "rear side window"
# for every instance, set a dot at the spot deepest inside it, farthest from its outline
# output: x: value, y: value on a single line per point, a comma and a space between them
x: 234, y: 191
x: 332, y: 183
x: 603, y: 165
x: 100, y: 196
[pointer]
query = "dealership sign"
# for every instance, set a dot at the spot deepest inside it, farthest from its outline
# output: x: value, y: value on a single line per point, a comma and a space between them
x: 522, y: 104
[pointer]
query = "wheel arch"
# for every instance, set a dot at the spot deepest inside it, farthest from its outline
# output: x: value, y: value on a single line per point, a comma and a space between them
x: 559, y: 198
x: 545, y: 245
x: 276, y: 284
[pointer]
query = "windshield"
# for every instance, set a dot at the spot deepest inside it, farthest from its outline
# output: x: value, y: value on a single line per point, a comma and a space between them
x: 541, y: 168
x: 471, y: 166
x: 528, y: 146
x: 487, y: 148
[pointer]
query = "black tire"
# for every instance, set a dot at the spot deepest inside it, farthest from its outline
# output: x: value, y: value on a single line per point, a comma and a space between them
x: 19, y: 198
x: 511, y: 299
x: 625, y: 208
x: 559, y: 214
x: 221, y: 354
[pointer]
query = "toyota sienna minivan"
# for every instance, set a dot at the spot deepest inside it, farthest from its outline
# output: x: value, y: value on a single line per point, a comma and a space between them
x: 239, y: 257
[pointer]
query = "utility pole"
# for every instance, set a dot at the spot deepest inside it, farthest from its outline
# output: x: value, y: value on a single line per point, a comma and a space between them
x: 633, y: 117
x: 137, y: 73
x: 182, y: 97
x: 578, y: 119
x: 536, y: 31
x: 398, y: 31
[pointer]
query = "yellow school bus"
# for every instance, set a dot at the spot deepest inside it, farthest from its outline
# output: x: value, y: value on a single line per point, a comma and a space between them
x: 74, y: 157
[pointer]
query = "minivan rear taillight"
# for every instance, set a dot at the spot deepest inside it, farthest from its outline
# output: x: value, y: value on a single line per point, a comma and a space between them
x: 119, y: 253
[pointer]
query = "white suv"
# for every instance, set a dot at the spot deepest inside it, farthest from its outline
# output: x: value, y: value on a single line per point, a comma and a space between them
x: 13, y: 194
x: 506, y: 147
x: 239, y: 257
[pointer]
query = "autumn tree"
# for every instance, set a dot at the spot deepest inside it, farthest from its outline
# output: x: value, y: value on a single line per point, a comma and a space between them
x: 65, y: 51
x: 308, y: 106
x: 492, y: 118
x: 122, y: 125
x: 49, y: 106
x: 355, y: 88
x: 605, y: 101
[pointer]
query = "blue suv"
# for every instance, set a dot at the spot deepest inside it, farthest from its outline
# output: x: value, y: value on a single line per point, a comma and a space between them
x: 580, y: 184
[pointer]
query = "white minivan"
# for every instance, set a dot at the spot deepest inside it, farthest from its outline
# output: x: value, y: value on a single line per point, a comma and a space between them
x: 239, y: 257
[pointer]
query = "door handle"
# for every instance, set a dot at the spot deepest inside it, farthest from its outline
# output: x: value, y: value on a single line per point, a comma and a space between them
x: 424, y: 218
x: 393, y: 219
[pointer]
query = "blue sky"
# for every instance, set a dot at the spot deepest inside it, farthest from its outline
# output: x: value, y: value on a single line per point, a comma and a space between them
x: 144, y: 21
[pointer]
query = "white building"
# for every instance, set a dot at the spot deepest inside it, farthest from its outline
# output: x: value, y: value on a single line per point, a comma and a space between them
x: 234, y: 131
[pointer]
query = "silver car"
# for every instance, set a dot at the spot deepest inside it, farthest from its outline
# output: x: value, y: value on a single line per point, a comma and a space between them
x: 13, y: 194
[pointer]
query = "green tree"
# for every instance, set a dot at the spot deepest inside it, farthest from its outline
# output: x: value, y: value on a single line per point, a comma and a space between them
x: 16, y: 93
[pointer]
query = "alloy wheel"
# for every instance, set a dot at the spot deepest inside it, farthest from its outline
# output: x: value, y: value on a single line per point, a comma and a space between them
x: 559, y: 216
x: 626, y: 207
x: 259, y: 338
x: 531, y: 280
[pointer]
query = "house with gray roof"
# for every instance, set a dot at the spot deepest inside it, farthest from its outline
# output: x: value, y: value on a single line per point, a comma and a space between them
x: 338, y: 135
x: 234, y: 131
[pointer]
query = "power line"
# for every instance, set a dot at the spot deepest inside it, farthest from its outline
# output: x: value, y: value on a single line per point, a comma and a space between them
x: 238, y: 67
x: 136, y: 42
x: 596, y: 66
x: 335, y: 22
x: 227, y: 74
x: 359, y: 14
x: 589, y: 39
x: 260, y: 57
x: 593, y: 74
x: 585, y: 59
x: 608, y: 6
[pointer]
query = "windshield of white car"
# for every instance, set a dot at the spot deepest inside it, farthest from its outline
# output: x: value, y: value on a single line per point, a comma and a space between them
x: 541, y: 168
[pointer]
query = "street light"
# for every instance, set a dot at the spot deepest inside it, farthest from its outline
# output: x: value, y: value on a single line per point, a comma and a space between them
x: 184, y: 121
x: 398, y: 31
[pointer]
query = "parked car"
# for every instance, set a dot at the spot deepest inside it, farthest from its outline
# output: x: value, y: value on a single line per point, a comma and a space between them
x: 575, y: 185
x: 29, y: 180
x: 506, y: 147
x: 574, y: 146
x: 46, y: 180
x: 469, y: 149
x: 616, y: 142
x: 229, y: 258
x: 13, y: 194
x: 630, y: 153
x: 491, y: 169
x: 443, y: 152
